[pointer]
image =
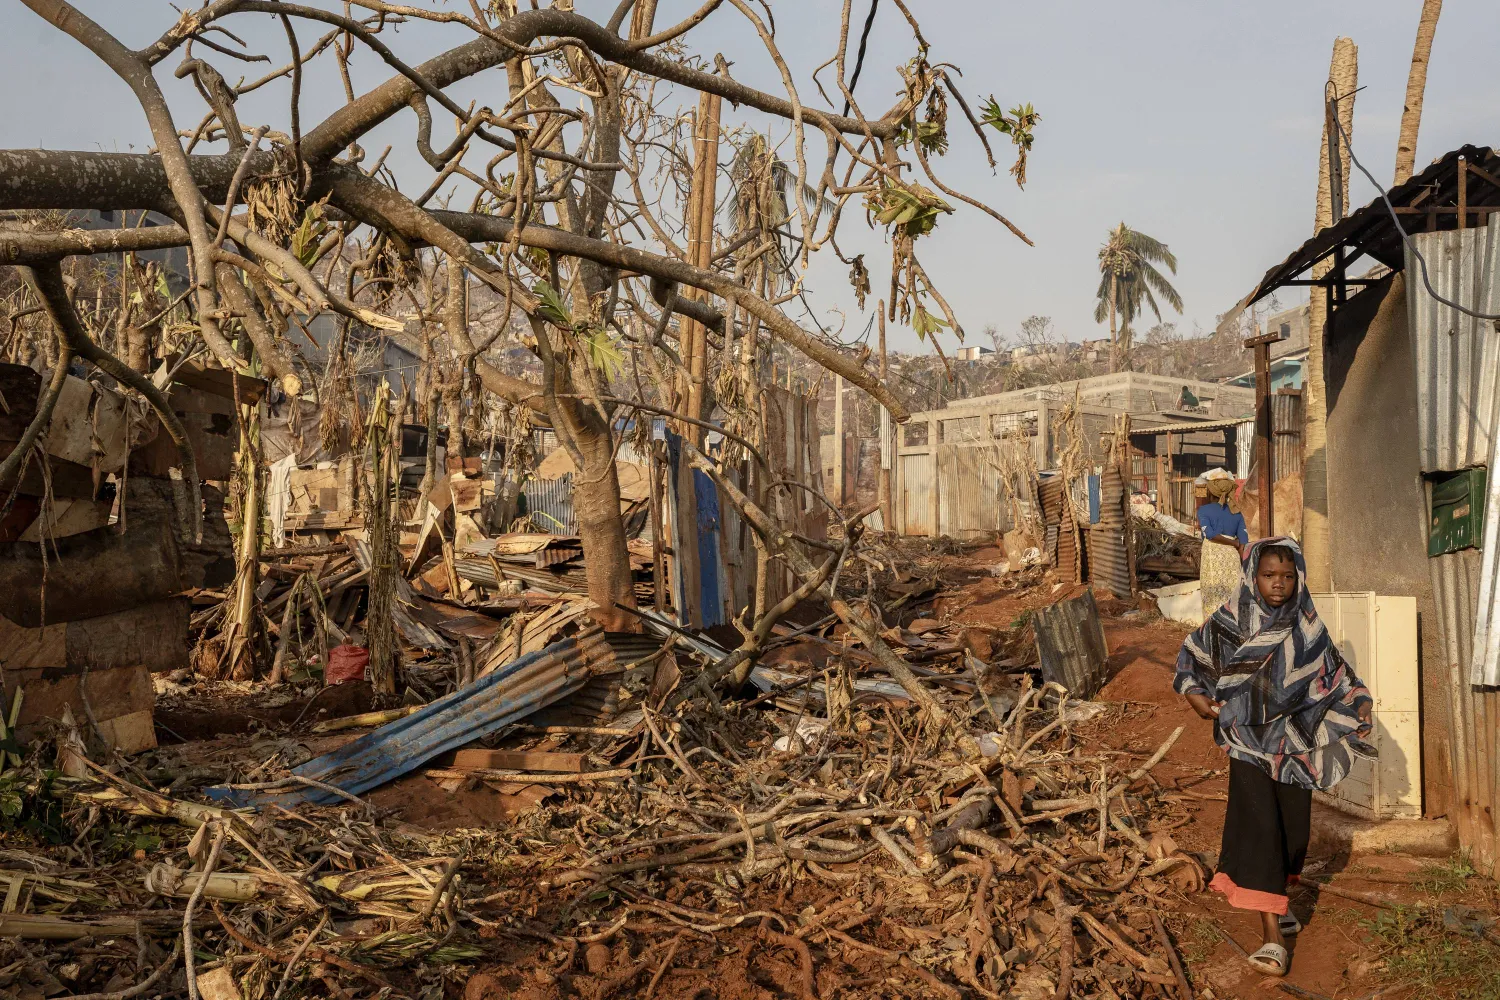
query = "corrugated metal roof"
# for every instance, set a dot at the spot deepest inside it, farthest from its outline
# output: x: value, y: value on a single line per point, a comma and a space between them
x: 1371, y: 229
x: 1189, y: 427
x: 1457, y: 356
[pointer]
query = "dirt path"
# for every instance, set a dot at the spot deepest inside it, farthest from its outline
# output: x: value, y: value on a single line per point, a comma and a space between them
x: 1348, y: 948
x: 1338, y: 954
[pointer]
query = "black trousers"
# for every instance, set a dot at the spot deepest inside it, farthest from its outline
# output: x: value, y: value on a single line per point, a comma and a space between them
x: 1266, y: 829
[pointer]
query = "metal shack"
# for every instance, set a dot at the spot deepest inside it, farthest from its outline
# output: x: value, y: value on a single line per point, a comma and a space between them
x: 1412, y: 381
x: 950, y: 463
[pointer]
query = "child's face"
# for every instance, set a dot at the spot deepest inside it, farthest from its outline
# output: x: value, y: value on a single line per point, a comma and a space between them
x: 1276, y: 579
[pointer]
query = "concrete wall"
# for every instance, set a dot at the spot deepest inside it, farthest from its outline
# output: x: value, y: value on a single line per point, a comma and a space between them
x: 1376, y: 498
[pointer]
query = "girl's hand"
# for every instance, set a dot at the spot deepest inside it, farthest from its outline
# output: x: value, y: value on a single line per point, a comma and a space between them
x: 1206, y: 708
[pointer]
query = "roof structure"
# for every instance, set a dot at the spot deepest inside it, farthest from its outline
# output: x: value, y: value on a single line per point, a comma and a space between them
x: 1189, y: 427
x: 1467, y: 178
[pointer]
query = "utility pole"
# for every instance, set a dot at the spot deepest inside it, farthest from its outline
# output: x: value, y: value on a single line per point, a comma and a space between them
x: 1264, y: 431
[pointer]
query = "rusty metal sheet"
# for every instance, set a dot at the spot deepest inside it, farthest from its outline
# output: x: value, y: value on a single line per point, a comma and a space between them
x: 1070, y: 643
x: 1109, y: 563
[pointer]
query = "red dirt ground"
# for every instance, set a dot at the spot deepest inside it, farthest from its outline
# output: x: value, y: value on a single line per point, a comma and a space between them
x: 1332, y: 958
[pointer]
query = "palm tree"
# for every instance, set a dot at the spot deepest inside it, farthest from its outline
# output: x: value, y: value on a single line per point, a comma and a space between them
x: 1416, y: 85
x: 761, y: 186
x: 1128, y: 279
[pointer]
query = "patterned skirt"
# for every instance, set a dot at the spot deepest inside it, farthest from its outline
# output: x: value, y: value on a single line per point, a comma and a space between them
x: 1218, y: 575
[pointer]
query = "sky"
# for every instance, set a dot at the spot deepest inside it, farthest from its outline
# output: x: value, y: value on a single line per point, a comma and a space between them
x: 1195, y: 122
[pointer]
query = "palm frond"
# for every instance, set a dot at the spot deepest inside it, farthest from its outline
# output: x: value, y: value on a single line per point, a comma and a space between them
x: 1154, y: 279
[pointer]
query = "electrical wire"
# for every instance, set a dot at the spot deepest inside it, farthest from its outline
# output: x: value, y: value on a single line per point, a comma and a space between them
x: 1405, y: 236
x: 859, y: 60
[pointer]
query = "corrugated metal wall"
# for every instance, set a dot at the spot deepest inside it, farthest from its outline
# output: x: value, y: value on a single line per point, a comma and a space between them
x: 1458, y: 357
x: 1457, y: 360
x: 1286, y: 429
x: 1109, y: 563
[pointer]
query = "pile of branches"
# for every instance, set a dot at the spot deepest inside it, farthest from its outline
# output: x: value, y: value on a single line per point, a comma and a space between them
x: 859, y: 849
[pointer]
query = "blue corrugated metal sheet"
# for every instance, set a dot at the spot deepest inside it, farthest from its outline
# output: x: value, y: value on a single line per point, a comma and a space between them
x: 497, y: 699
x: 710, y: 556
x: 710, y: 561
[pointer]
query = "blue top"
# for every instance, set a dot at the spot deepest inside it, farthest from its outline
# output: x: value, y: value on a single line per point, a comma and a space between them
x: 1215, y: 519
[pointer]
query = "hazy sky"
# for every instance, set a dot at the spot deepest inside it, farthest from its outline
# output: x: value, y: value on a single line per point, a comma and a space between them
x: 1196, y: 122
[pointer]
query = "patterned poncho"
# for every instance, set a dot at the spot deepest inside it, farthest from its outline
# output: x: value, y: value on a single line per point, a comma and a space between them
x: 1290, y: 703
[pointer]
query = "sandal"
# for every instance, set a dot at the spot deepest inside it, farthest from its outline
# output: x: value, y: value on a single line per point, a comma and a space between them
x: 1270, y: 960
x: 1289, y: 924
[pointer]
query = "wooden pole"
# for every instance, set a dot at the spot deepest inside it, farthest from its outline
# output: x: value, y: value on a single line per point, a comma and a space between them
x: 1168, y: 477
x: 1463, y: 193
x: 1264, y: 452
x: 887, y: 440
x: 838, y: 439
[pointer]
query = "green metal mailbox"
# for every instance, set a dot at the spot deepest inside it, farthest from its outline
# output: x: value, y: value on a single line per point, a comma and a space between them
x: 1457, y: 518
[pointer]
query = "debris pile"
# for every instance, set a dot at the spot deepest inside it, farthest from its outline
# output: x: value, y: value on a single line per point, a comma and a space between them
x: 811, y: 829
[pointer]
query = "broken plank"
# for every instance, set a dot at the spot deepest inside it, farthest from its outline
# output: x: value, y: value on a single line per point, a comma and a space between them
x: 519, y: 760
x: 529, y: 777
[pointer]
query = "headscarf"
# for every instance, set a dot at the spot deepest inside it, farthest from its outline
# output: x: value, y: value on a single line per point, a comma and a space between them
x: 1290, y: 702
x: 1223, y: 491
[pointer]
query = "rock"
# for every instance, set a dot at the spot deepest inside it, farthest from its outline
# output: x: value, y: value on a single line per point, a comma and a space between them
x: 483, y: 986
x: 595, y: 959
x: 219, y: 984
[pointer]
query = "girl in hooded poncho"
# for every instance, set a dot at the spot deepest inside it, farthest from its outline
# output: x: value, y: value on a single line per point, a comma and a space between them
x: 1289, y: 711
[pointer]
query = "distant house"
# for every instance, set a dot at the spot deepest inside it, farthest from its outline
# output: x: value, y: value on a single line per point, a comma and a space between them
x: 975, y: 353
x: 1286, y: 373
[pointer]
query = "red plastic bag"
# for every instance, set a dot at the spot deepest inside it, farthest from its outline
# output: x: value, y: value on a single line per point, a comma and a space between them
x: 346, y: 663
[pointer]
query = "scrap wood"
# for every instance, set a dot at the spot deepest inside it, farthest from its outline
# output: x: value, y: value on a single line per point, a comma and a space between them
x: 365, y: 719
x: 48, y: 927
x: 518, y: 760
x: 514, y: 777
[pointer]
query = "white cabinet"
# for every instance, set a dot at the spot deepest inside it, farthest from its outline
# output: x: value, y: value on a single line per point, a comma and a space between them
x: 1378, y: 636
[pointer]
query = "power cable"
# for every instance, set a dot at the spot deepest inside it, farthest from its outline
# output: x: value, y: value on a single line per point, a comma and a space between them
x: 859, y: 60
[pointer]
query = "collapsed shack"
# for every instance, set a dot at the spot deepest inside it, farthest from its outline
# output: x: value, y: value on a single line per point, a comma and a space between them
x: 94, y: 559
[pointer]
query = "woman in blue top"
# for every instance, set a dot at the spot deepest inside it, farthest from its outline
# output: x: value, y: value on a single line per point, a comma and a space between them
x: 1223, y: 530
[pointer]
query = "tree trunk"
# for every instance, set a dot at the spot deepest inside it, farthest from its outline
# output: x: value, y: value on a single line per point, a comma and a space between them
x: 245, y: 616
x: 1114, y: 343
x: 1416, y: 87
x: 1343, y: 74
x: 596, y: 509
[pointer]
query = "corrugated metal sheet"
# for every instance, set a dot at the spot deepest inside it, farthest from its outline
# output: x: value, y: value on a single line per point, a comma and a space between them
x: 1458, y: 392
x: 481, y: 571
x: 1058, y: 517
x: 917, y: 483
x: 1109, y: 562
x: 1458, y: 400
x: 1457, y: 356
x: 1473, y: 743
x: 710, y: 562
x: 1286, y: 429
x: 497, y: 699
x: 968, y: 491
x: 1070, y: 644
x: 550, y: 504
